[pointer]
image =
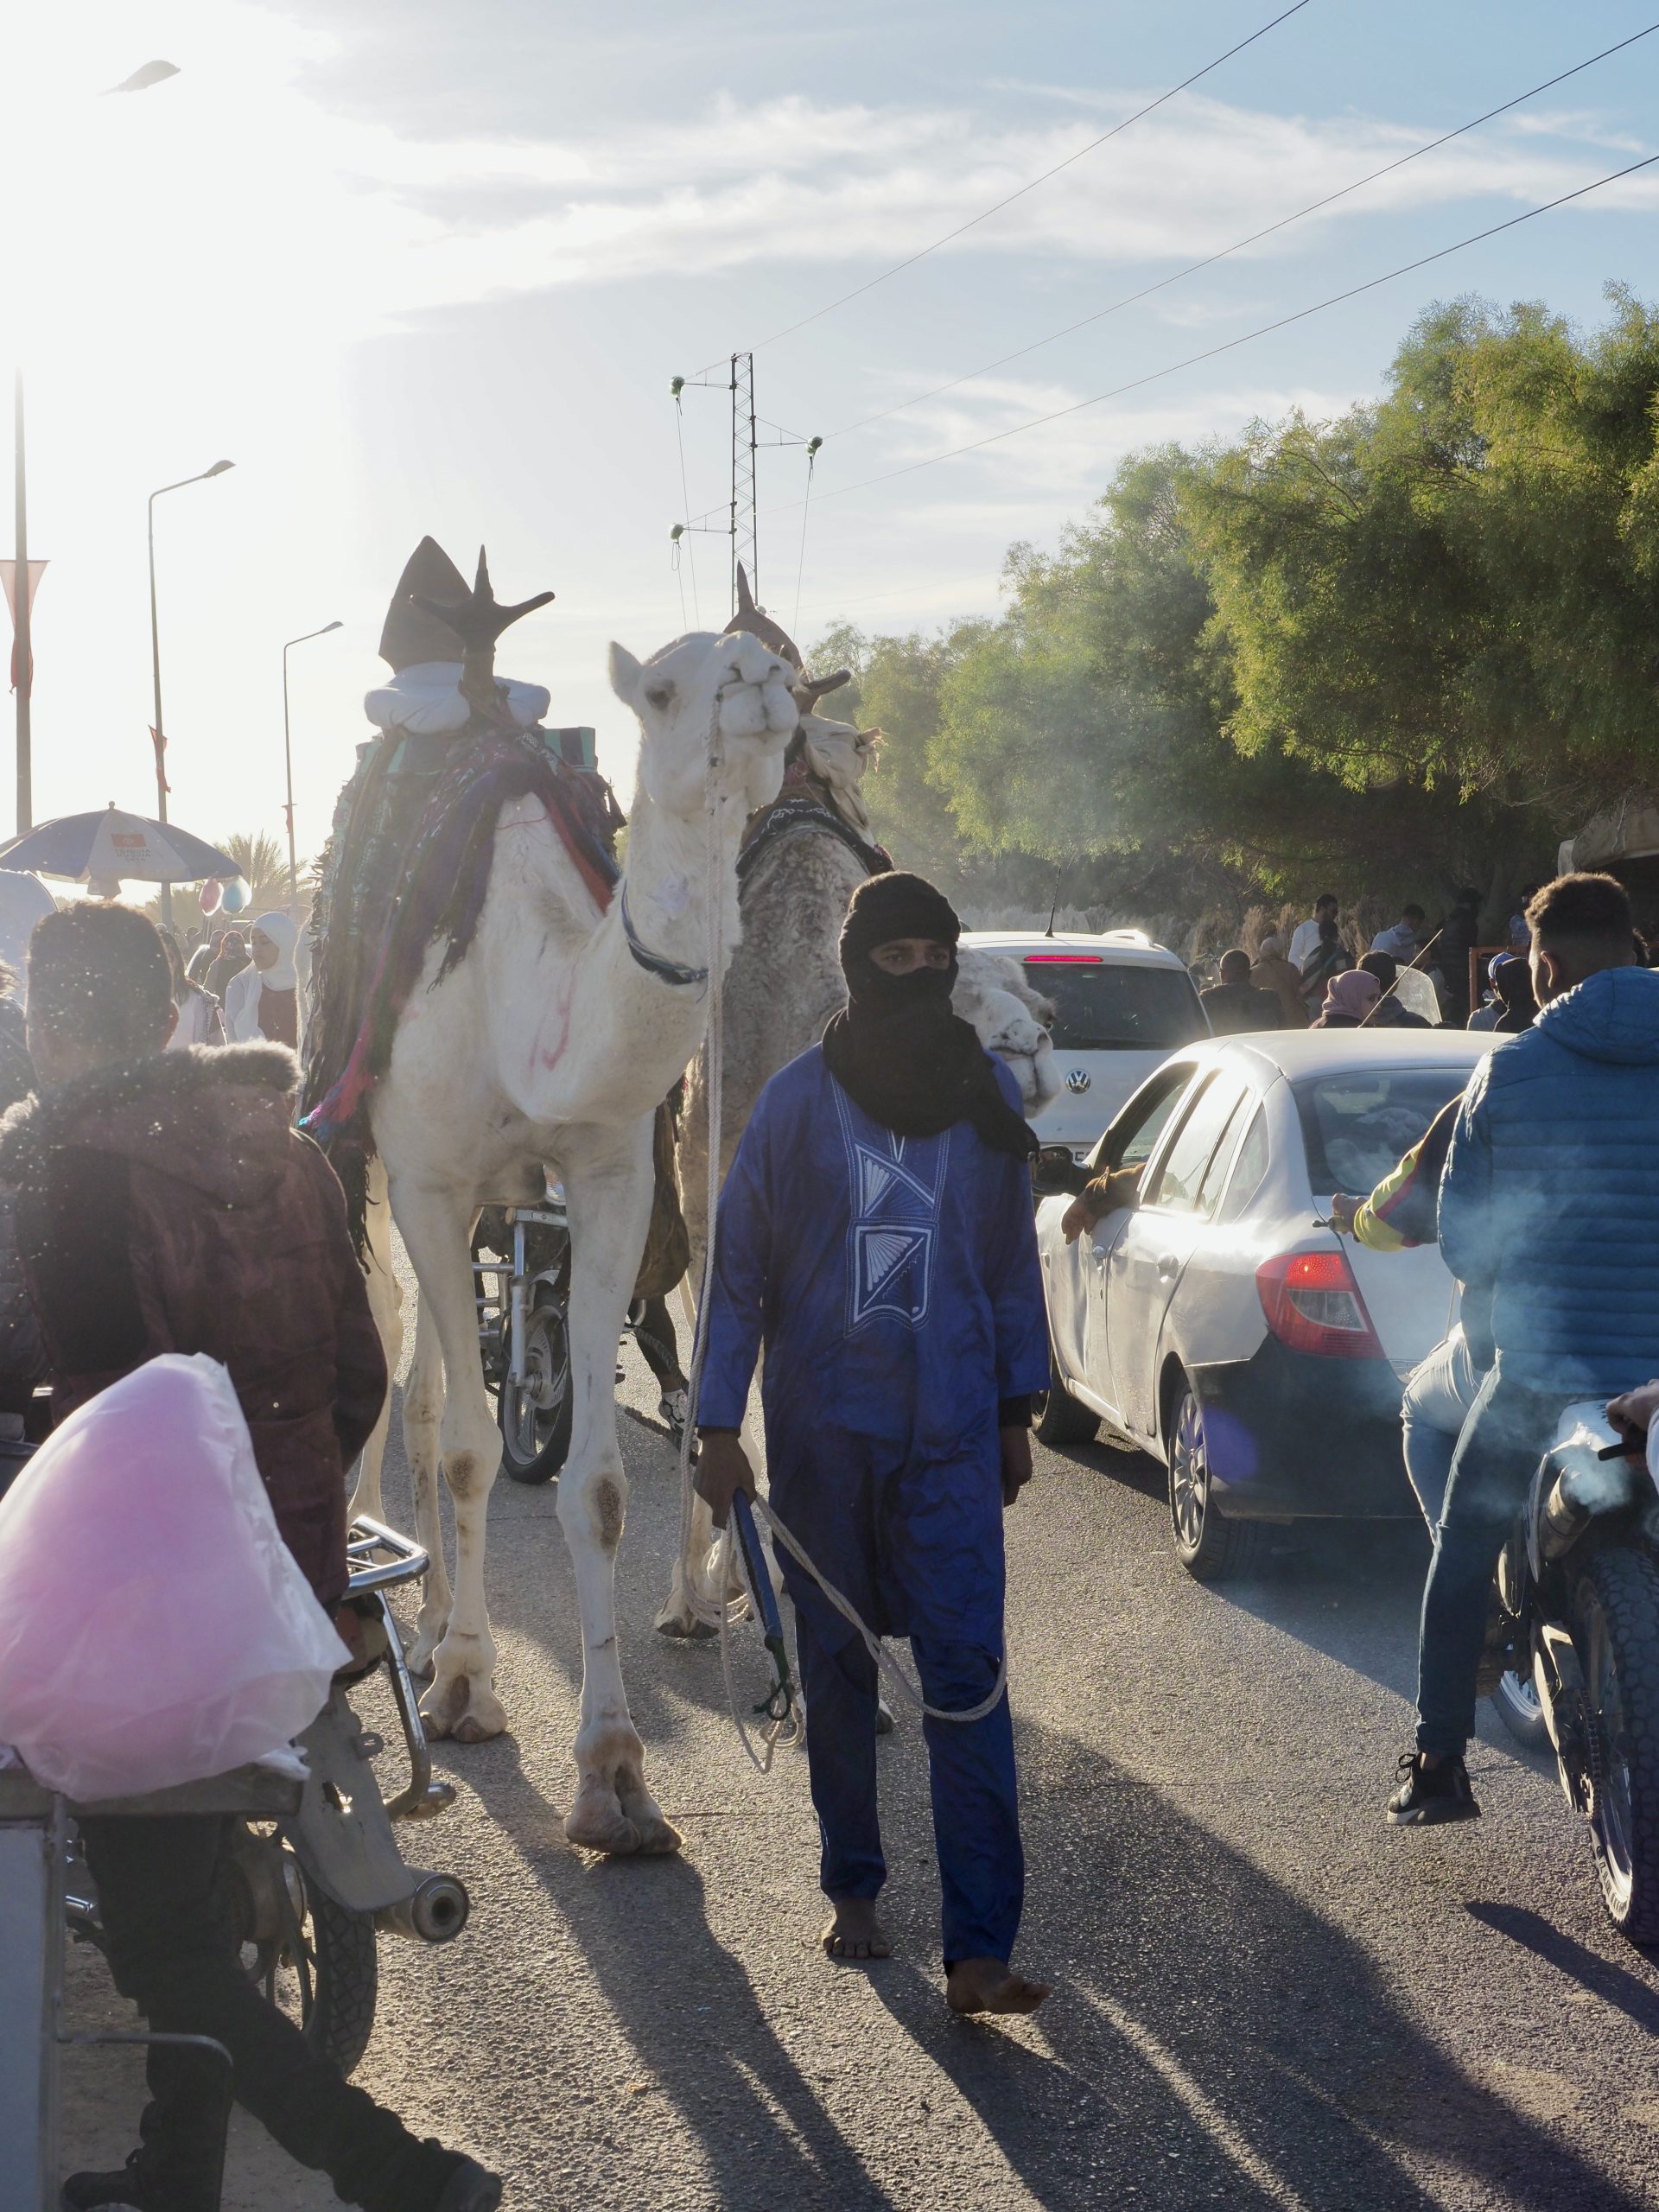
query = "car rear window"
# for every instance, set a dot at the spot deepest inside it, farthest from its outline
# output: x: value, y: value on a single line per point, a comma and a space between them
x: 1357, y: 1124
x: 1102, y: 1007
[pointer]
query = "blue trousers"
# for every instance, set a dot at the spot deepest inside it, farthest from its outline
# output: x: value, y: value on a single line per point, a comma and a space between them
x: 1439, y: 1393
x: 917, y: 1547
x: 1508, y: 1430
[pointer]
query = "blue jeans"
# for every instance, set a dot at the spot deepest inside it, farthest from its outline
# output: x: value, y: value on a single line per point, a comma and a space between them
x: 1439, y: 1393
x: 1508, y: 1430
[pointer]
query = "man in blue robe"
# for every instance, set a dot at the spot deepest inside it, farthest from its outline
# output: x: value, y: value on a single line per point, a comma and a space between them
x: 875, y: 1234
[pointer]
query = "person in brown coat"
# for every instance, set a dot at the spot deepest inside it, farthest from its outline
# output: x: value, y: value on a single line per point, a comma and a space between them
x: 1271, y: 971
x: 164, y: 1203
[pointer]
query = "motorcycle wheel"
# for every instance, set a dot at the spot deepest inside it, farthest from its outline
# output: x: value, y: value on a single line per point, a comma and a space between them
x: 535, y: 1416
x: 317, y: 1962
x: 1616, y: 1629
x: 1517, y: 1705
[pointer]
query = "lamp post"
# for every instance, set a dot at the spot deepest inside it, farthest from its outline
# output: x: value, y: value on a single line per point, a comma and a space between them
x: 288, y: 759
x: 160, y: 730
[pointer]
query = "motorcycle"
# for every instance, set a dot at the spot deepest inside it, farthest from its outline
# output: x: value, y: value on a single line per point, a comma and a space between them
x: 1578, y: 1585
x: 317, y: 1874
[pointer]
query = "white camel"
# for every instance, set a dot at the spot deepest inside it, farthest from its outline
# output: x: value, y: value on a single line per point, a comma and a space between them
x: 546, y: 1052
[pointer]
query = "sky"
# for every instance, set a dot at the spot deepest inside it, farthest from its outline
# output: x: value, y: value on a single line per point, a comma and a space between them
x: 419, y: 268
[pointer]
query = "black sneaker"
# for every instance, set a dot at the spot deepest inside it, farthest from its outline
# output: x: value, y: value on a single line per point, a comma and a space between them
x: 1428, y: 1794
x: 470, y: 2189
x: 119, y: 2192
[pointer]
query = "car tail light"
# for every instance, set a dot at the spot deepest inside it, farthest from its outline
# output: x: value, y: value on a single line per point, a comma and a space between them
x: 1313, y: 1304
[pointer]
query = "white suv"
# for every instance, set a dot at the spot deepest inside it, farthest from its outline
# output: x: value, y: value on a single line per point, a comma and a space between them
x: 1122, y: 1005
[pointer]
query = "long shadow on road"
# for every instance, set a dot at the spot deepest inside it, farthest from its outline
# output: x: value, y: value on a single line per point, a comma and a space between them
x: 1209, y: 2038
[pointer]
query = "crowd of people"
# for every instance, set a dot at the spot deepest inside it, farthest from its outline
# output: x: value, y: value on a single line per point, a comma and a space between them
x: 1412, y: 977
x: 237, y: 990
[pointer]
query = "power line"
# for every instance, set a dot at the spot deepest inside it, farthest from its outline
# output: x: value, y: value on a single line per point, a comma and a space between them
x: 1193, y: 268
x: 1209, y: 353
x: 997, y: 206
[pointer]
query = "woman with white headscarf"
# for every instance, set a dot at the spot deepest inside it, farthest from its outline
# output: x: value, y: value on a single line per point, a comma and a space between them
x: 263, y: 999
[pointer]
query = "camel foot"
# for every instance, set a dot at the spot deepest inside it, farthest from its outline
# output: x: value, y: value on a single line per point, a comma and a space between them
x: 462, y: 1706
x: 676, y: 1619
x: 657, y: 1837
x: 599, y: 1822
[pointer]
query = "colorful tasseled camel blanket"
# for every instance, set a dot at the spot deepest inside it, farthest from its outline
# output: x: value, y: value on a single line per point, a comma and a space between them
x: 389, y: 893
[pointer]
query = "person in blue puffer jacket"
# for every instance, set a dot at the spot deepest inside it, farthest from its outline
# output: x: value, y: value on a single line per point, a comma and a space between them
x: 1549, y: 1203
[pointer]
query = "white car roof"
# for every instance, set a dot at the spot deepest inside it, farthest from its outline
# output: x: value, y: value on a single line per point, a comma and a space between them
x: 1295, y: 1052
x: 1123, y: 947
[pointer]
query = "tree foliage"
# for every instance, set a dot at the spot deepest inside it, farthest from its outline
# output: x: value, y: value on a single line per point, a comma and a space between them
x: 1418, y: 641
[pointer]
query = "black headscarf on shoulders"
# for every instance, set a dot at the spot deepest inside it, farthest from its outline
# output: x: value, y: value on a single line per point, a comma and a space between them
x: 896, y: 1047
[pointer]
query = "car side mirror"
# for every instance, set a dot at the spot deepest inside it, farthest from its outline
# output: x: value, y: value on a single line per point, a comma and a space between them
x: 1054, y: 1173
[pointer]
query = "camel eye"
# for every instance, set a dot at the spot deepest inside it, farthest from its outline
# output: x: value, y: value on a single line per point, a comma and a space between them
x: 659, y: 695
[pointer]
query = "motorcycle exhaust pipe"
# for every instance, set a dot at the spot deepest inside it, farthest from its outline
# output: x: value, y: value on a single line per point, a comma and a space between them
x: 1564, y: 1518
x: 436, y: 1913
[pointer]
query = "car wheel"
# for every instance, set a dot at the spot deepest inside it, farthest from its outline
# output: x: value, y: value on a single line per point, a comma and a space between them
x: 1207, y: 1544
x: 1059, y: 1418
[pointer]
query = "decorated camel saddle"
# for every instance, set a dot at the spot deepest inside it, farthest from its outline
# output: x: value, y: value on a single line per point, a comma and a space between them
x: 408, y: 861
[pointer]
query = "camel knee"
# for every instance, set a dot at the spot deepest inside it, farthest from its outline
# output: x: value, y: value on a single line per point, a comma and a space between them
x: 470, y: 1475
x: 596, y: 1509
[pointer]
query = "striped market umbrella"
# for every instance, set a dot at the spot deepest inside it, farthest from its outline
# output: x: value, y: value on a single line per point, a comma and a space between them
x: 104, y: 850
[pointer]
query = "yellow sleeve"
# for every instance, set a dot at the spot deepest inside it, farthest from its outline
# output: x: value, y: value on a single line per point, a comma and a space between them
x: 1369, y: 1229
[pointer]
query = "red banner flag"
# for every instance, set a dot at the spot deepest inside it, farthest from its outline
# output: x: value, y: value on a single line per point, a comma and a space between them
x: 160, y: 744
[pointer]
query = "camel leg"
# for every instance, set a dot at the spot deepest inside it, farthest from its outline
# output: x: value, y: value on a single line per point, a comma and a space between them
x: 461, y: 1700
x: 607, y: 1187
x: 385, y: 1303
x: 423, y: 1411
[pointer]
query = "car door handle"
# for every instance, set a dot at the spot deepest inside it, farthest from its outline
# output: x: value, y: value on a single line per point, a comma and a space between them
x: 1168, y: 1266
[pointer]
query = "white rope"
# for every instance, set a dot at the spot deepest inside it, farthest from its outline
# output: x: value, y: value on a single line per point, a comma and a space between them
x: 883, y: 1657
x: 721, y: 1613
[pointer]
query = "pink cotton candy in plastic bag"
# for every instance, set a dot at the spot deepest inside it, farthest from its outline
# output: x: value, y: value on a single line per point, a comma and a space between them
x: 154, y: 1627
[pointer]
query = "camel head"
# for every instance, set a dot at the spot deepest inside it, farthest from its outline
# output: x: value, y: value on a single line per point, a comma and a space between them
x: 686, y: 692
x: 1010, y: 1020
x: 838, y: 754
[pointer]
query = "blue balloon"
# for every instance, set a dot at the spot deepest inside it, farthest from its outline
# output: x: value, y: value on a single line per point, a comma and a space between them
x: 236, y: 895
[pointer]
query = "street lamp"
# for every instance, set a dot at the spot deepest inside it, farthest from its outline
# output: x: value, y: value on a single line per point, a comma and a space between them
x: 160, y: 731
x: 288, y: 759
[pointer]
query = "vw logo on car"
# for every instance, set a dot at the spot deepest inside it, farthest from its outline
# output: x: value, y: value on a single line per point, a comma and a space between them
x: 1078, y: 1080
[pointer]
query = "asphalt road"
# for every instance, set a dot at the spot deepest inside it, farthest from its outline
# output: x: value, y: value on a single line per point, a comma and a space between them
x: 1263, y: 1996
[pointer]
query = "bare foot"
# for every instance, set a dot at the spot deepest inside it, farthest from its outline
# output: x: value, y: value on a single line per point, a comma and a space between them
x: 855, y: 1933
x: 990, y: 1985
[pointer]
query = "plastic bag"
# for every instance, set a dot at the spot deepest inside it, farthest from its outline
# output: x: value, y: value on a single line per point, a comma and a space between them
x: 154, y: 1628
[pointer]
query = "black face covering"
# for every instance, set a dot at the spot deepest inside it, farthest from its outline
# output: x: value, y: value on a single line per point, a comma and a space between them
x: 897, y: 1049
